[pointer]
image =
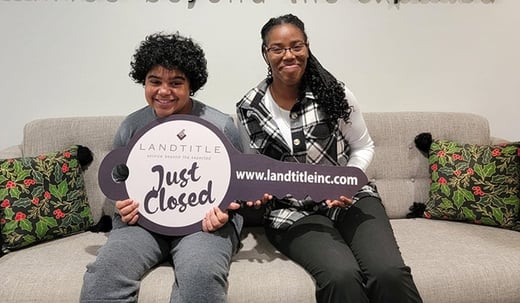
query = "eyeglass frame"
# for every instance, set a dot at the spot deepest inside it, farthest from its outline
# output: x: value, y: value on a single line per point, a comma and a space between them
x: 285, y: 49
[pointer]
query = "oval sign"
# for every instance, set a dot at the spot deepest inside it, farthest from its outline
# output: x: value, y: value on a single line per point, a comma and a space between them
x: 178, y: 169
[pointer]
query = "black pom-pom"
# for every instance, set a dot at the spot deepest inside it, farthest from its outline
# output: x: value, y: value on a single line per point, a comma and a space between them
x: 416, y: 210
x: 84, y: 156
x: 423, y: 141
x: 104, y: 225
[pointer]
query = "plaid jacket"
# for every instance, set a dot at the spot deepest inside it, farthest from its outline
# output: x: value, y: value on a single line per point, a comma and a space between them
x: 313, y: 141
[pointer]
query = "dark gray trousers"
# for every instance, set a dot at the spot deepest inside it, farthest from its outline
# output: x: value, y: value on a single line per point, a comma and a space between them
x: 353, y: 260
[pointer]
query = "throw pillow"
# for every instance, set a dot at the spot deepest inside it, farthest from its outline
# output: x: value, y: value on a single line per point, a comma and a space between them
x: 43, y: 197
x: 473, y: 183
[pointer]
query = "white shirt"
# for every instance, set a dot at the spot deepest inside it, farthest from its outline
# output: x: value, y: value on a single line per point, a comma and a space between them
x: 355, y: 131
x: 280, y: 116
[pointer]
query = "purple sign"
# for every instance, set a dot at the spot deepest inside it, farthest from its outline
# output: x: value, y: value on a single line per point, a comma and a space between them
x: 181, y: 166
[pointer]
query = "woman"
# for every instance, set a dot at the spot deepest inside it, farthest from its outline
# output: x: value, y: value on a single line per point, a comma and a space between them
x: 171, y: 68
x: 301, y: 113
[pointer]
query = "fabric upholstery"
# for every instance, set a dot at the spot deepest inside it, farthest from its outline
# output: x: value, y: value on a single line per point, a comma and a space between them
x: 399, y: 170
x: 97, y: 133
x: 474, y: 183
x: 451, y: 262
x: 43, y: 197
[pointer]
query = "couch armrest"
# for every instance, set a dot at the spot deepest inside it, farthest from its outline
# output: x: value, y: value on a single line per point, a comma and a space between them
x: 10, y: 152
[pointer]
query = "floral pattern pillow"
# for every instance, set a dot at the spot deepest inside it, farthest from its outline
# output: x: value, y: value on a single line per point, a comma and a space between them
x: 43, y: 198
x: 475, y: 183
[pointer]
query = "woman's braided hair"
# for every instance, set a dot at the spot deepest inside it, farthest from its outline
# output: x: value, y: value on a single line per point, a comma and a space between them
x: 329, y: 92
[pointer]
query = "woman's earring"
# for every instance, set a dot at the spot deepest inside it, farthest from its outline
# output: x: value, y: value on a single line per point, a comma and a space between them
x: 269, y: 72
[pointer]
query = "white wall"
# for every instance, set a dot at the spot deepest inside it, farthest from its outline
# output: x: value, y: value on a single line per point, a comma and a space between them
x: 71, y: 57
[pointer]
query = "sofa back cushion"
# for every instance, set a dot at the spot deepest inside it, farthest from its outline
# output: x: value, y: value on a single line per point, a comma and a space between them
x: 400, y: 171
x: 96, y: 133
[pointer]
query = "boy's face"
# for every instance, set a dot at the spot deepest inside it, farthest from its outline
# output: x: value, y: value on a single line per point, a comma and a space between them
x: 167, y: 91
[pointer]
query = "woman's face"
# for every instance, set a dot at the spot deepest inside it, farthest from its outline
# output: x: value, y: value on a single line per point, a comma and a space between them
x: 167, y: 91
x: 287, y: 65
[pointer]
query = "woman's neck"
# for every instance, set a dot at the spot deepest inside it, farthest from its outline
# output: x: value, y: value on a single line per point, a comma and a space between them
x: 285, y: 96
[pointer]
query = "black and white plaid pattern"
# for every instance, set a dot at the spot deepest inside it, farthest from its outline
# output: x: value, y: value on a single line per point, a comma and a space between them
x: 282, y: 213
x: 313, y: 142
x: 319, y: 144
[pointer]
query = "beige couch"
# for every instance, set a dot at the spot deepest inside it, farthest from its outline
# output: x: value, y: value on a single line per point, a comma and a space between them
x: 451, y: 262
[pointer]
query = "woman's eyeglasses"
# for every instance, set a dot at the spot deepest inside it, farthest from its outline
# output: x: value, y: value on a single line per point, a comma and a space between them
x: 296, y: 49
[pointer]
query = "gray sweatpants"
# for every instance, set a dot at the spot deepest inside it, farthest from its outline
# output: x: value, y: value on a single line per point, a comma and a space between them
x: 201, y: 262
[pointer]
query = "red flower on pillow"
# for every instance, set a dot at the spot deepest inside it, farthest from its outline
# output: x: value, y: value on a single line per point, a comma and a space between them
x: 29, y: 182
x: 20, y: 216
x: 36, y: 191
x: 457, y: 157
x: 474, y: 183
x: 477, y: 191
x: 58, y: 214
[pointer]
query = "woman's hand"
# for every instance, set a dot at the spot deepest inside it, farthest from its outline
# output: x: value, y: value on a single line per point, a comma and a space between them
x: 216, y: 218
x: 341, y: 202
x: 128, y: 210
x: 263, y: 200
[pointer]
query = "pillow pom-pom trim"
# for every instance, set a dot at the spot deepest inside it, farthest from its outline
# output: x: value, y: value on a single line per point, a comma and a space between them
x: 423, y: 141
x: 85, y: 156
x: 416, y: 210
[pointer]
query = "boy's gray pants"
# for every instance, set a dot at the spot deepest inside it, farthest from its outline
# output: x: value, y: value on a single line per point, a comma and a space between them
x: 201, y: 262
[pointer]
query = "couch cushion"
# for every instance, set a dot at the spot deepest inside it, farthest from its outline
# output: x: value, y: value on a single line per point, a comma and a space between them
x: 454, y: 262
x: 51, y: 134
x: 256, y: 273
x: 49, y: 272
x: 451, y: 262
x: 43, y: 197
x: 475, y: 183
x: 398, y: 168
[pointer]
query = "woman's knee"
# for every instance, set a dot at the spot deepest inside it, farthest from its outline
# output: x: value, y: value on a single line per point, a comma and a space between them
x: 340, y: 276
x: 391, y: 277
x: 393, y: 284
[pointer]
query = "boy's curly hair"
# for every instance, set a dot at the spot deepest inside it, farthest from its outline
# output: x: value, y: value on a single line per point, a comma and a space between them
x: 172, y: 51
